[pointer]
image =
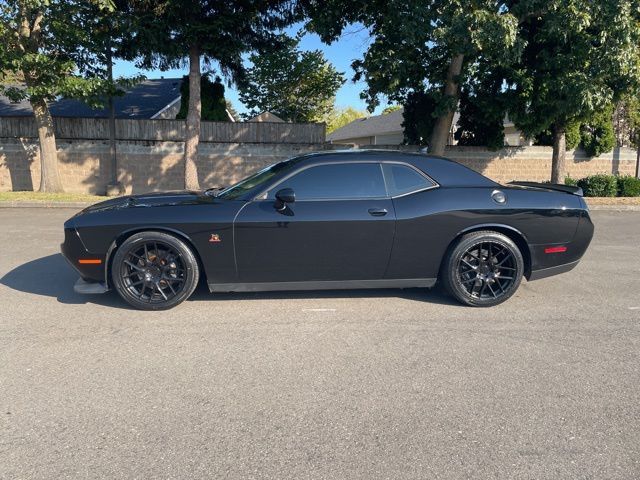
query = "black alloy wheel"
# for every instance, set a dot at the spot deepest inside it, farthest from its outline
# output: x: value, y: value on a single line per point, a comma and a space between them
x: 483, y: 269
x: 154, y: 271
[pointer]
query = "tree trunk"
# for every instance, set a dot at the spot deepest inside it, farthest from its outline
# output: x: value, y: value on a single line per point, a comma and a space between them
x: 49, y: 177
x: 193, y: 122
x: 440, y: 134
x: 558, y: 169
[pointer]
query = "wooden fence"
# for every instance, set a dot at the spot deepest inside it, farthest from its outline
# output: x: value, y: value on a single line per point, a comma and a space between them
x: 168, y: 130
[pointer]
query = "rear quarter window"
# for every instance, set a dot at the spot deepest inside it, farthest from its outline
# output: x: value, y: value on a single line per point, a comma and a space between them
x: 402, y: 179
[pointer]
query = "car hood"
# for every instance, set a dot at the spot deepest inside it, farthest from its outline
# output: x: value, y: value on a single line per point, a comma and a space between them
x: 155, y: 199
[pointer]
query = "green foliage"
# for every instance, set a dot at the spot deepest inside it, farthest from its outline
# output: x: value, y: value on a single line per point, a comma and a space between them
x: 390, y: 109
x: 570, y: 181
x: 164, y: 31
x: 572, y: 132
x: 297, y: 86
x: 482, y: 110
x: 628, y: 186
x: 627, y: 121
x: 597, y: 135
x: 52, y: 55
x: 573, y: 136
x: 418, y: 117
x: 579, y: 57
x: 339, y: 117
x: 599, y: 185
x: 232, y: 111
x: 212, y: 99
x: 413, y: 44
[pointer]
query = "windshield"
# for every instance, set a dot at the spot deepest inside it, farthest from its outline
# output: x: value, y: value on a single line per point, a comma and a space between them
x: 257, y: 179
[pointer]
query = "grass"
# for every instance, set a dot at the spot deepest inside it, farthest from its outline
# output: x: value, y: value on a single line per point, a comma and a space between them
x: 49, y: 197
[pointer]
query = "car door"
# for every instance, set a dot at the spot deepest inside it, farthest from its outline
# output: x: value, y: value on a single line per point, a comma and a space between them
x: 340, y: 227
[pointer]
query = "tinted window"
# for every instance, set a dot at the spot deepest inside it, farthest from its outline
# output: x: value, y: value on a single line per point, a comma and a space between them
x: 257, y: 179
x: 402, y: 179
x: 336, y: 181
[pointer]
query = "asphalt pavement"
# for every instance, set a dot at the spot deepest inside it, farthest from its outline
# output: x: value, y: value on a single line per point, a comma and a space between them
x: 390, y: 384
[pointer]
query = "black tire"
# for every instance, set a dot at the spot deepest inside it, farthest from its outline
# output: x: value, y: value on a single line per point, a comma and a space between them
x: 154, y: 271
x: 482, y: 269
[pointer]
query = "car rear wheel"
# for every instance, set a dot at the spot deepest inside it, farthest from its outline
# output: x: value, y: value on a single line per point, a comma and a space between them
x: 154, y: 271
x: 483, y: 269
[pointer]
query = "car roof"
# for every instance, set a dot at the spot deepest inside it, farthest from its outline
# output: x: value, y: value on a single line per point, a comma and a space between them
x: 446, y: 172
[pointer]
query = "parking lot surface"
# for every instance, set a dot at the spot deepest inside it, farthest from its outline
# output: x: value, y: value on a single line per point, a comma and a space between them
x: 348, y: 385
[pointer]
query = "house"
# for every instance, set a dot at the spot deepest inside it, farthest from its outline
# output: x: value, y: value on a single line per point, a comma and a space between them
x: 155, y: 98
x: 266, y: 117
x: 375, y: 130
x: 387, y: 130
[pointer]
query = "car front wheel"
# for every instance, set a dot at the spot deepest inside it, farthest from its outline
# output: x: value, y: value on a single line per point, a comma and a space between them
x: 483, y: 269
x: 154, y: 271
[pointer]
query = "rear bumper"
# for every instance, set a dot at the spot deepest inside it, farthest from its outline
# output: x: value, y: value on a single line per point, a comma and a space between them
x: 550, y: 271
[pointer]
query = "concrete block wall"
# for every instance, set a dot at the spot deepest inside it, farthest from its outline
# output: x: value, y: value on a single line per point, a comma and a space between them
x: 143, y: 166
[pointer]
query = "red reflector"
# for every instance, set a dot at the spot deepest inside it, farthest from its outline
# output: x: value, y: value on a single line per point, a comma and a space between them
x: 92, y: 261
x: 555, y: 249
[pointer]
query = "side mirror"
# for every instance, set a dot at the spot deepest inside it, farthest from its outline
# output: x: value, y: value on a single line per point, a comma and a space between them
x: 284, y: 196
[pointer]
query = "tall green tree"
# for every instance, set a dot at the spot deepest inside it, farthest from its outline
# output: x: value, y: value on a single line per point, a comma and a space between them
x: 421, y: 50
x: 214, y: 105
x: 339, y: 117
x: 579, y: 58
x: 39, y: 41
x: 296, y: 85
x: 168, y: 33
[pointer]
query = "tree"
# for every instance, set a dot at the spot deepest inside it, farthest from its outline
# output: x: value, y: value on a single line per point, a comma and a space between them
x: 482, y: 107
x: 232, y: 111
x: 297, y: 86
x: 165, y: 33
x: 214, y: 106
x: 390, y: 109
x: 38, y: 43
x: 339, y: 117
x: 422, y: 50
x: 578, y: 59
x: 628, y: 114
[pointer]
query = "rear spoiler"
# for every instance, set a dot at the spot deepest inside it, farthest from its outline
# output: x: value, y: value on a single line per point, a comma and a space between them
x: 551, y: 186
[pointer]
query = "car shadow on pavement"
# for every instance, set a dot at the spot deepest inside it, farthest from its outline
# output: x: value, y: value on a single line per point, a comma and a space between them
x: 434, y: 295
x: 51, y: 276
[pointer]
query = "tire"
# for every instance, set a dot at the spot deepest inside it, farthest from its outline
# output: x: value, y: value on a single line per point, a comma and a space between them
x: 482, y: 269
x: 154, y: 271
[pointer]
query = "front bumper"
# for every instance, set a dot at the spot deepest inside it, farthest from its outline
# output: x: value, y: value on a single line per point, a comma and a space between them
x: 89, y: 288
x: 74, y: 250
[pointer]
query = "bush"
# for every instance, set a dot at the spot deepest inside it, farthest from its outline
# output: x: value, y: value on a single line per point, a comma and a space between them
x: 570, y: 181
x: 628, y: 186
x: 599, y: 185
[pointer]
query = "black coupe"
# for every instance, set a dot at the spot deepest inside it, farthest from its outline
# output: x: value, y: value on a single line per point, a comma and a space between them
x: 333, y: 220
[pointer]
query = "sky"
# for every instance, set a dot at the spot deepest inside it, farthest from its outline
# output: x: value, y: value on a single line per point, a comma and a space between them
x: 351, y: 45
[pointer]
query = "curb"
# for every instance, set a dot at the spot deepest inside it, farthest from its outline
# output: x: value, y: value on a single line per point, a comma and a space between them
x: 615, y: 208
x: 34, y: 204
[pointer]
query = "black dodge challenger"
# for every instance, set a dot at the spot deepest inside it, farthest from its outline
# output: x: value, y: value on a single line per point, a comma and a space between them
x: 334, y: 220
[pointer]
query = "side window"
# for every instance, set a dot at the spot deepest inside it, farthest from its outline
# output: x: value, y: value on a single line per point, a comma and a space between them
x: 336, y: 181
x: 402, y: 179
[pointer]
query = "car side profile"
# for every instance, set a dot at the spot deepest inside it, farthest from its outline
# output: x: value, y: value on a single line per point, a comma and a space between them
x: 332, y: 220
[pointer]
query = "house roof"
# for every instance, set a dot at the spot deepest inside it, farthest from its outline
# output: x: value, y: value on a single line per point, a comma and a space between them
x: 144, y: 100
x: 266, y: 117
x: 370, y: 126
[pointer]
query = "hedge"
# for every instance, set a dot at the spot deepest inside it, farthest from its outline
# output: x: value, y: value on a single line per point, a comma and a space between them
x: 603, y: 185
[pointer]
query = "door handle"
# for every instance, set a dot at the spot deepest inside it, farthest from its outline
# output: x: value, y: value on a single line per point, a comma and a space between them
x: 377, y: 212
